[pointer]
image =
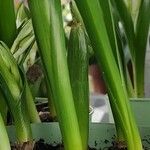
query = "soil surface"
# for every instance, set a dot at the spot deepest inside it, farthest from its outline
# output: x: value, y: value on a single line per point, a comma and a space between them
x: 115, y: 148
x: 118, y: 146
x: 45, y: 116
x: 41, y: 145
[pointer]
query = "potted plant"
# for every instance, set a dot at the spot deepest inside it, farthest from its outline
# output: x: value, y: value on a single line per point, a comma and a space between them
x: 66, y: 72
x: 102, y: 46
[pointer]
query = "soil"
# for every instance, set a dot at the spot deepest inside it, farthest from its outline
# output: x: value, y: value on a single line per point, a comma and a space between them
x: 41, y: 145
x: 118, y: 146
x: 115, y: 148
x: 24, y: 146
x: 44, y: 113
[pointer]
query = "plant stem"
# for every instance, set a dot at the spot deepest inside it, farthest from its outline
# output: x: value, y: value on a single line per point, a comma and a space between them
x: 33, y: 114
x: 78, y: 68
x: 92, y: 15
x: 120, y: 134
x: 48, y: 27
x: 22, y: 124
x: 17, y: 105
x: 50, y: 100
x: 3, y: 106
x: 15, y: 92
x: 4, y: 142
x: 142, y: 31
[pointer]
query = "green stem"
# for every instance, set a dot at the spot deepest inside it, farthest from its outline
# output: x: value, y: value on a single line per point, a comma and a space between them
x: 93, y: 18
x: 50, y: 100
x: 7, y: 22
x: 139, y: 79
x: 131, y: 91
x: 33, y: 114
x: 120, y: 134
x: 75, y: 13
x: 3, y: 106
x: 142, y: 31
x: 78, y: 69
x: 16, y: 100
x: 47, y: 23
x: 17, y: 106
x: 22, y: 124
x: 4, y: 142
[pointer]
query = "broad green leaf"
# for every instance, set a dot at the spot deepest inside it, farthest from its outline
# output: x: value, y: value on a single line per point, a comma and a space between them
x: 78, y: 63
x: 19, y: 99
x: 15, y: 103
x: 93, y: 18
x: 47, y: 22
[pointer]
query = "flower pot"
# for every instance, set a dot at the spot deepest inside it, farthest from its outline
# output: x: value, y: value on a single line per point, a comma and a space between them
x: 140, y: 107
x: 101, y: 136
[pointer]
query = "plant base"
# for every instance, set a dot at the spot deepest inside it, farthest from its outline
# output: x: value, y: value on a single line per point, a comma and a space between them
x: 23, y: 146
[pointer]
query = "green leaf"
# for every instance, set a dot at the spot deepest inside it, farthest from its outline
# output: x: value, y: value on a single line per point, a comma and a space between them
x: 47, y: 22
x: 7, y: 22
x: 13, y: 96
x: 10, y: 62
x: 93, y: 18
x: 142, y: 31
x: 110, y: 26
x: 78, y: 63
x: 4, y: 142
x: 125, y: 59
x: 135, y: 9
x: 3, y: 106
x: 126, y: 20
x: 75, y: 12
x: 128, y: 4
x: 25, y: 33
x: 17, y: 93
x: 22, y: 14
